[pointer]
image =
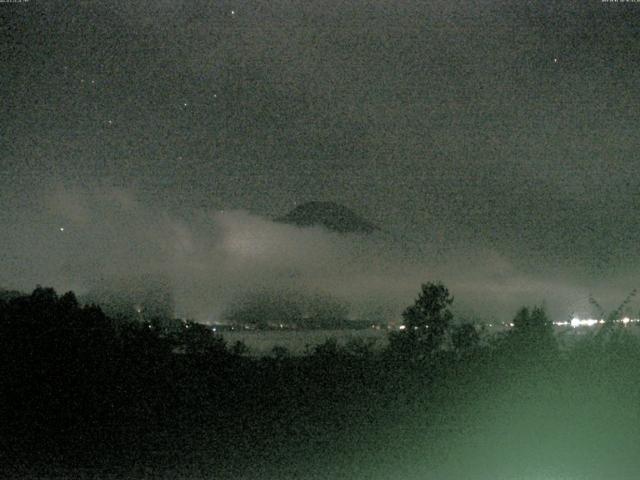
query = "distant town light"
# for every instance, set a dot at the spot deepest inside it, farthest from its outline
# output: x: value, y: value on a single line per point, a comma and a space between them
x: 590, y: 322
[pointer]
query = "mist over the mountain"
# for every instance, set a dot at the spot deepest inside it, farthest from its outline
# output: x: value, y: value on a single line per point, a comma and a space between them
x: 213, y: 259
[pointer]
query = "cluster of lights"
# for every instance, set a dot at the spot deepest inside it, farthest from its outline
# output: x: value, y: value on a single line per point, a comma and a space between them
x: 575, y: 322
x: 591, y: 322
x: 404, y: 327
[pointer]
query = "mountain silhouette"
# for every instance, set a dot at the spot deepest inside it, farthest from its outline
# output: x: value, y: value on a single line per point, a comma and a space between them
x: 332, y: 216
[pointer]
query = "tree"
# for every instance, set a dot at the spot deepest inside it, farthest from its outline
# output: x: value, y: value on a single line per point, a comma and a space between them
x: 280, y: 353
x: 428, y: 321
x: 199, y: 340
x: 534, y: 322
x: 533, y: 331
x: 465, y: 338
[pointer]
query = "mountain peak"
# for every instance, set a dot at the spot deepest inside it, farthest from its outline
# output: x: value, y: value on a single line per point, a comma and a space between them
x: 331, y: 215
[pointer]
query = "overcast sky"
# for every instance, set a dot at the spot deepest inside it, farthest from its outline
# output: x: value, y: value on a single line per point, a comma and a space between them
x: 495, y: 142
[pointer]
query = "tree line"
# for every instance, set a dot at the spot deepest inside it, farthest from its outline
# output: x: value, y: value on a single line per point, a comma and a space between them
x: 80, y: 388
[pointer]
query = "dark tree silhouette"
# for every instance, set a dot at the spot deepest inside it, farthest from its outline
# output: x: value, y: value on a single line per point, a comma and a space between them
x: 465, y: 338
x: 532, y: 333
x: 430, y: 313
x: 532, y: 323
x: 427, y: 323
x: 198, y: 339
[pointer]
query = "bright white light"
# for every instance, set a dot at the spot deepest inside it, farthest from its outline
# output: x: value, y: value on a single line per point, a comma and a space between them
x: 402, y: 327
x: 591, y: 322
x: 587, y: 322
x: 62, y: 229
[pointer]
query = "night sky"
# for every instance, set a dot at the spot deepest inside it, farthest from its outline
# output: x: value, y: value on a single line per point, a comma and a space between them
x: 495, y: 143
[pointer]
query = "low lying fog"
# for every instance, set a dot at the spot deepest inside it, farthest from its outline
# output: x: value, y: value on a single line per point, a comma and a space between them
x: 214, y: 257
